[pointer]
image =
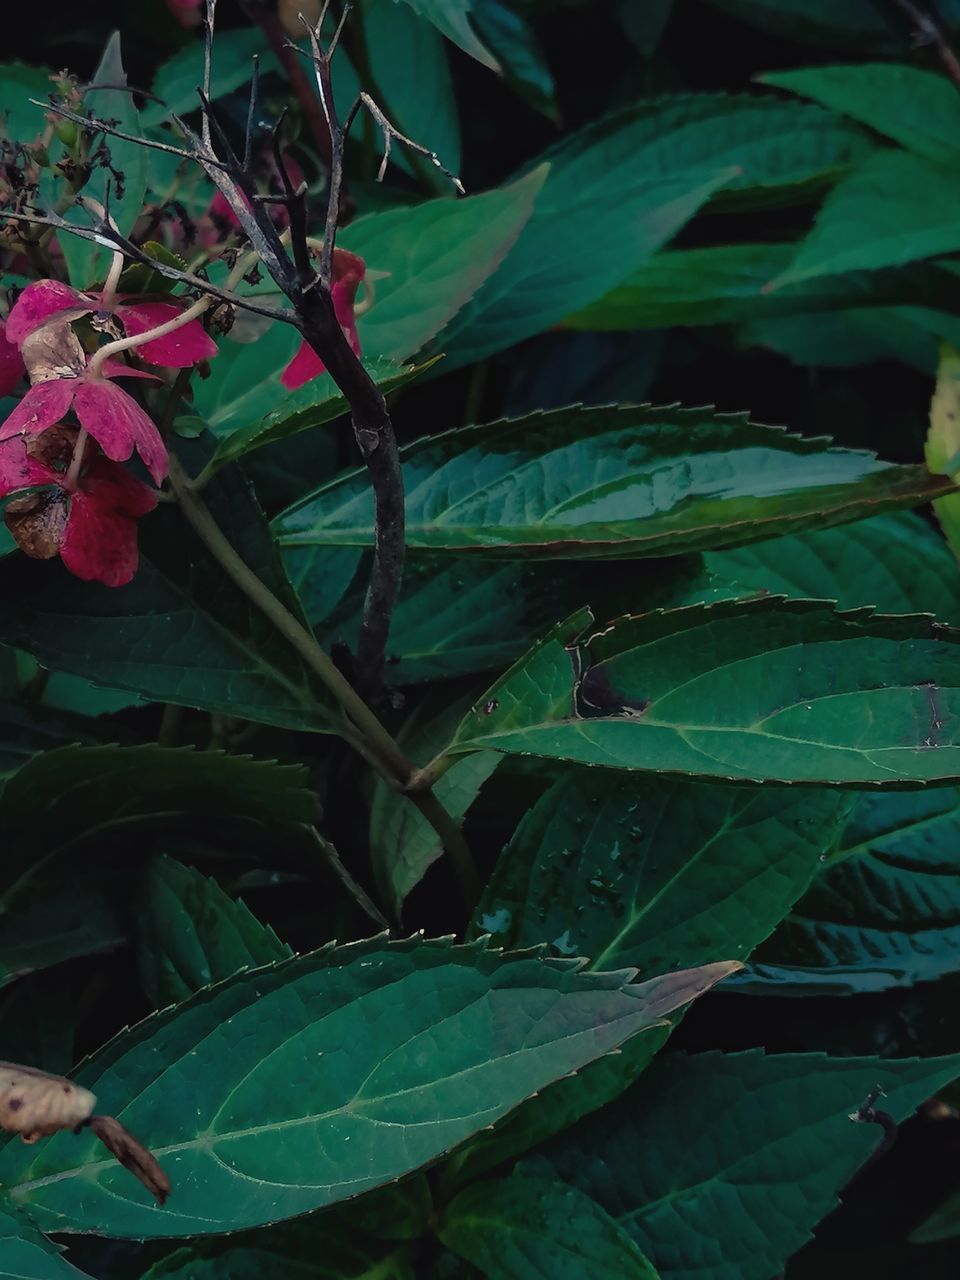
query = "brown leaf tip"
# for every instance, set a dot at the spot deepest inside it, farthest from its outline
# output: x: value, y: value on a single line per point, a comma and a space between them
x: 132, y: 1154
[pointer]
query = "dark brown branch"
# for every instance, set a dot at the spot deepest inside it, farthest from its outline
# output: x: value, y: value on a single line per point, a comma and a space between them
x: 927, y: 30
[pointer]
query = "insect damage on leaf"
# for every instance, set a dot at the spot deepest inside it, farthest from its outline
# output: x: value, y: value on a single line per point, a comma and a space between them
x: 35, y: 1105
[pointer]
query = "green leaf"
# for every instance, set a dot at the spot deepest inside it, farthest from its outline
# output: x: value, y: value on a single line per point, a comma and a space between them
x: 918, y: 109
x: 181, y: 631
x: 177, y: 79
x: 895, y: 208
x: 309, y: 406
x: 436, y: 255
x: 766, y: 690
x: 26, y: 1255
x: 326, y: 1256
x: 621, y: 188
x: 558, y: 1107
x: 896, y: 563
x: 192, y: 934
x: 38, y: 1022
x: 20, y: 120
x: 616, y: 481
x: 656, y: 875
x: 515, y: 44
x: 857, y: 24
x: 534, y: 1228
x: 943, y: 1224
x: 58, y: 918
x: 286, y: 1089
x: 885, y: 912
x: 716, y: 285
x: 25, y: 730
x: 845, y: 337
x: 695, y: 1185
x: 456, y: 615
x: 943, y: 439
x: 244, y: 382
x: 452, y: 18
x: 403, y: 845
x: 72, y: 796
x: 727, y: 284
x: 85, y: 260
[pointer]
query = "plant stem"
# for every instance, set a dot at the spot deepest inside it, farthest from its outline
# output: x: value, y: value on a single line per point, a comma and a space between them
x: 168, y: 735
x: 371, y: 739
x: 394, y: 764
x: 929, y: 31
x: 465, y: 869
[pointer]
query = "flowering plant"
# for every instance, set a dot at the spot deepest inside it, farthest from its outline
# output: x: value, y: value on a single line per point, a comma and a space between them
x: 442, y: 808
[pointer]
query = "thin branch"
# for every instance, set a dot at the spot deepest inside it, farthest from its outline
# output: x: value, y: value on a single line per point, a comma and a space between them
x: 209, y: 23
x: 927, y: 30
x: 104, y: 126
x: 109, y: 240
x: 251, y: 113
x: 321, y: 66
x: 390, y: 132
x: 265, y: 16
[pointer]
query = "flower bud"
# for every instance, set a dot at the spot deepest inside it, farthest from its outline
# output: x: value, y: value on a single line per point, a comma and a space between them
x: 66, y: 131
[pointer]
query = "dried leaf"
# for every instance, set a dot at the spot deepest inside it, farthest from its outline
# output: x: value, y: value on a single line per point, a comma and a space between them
x: 53, y: 350
x: 133, y: 1155
x: 35, y: 1104
x: 37, y: 522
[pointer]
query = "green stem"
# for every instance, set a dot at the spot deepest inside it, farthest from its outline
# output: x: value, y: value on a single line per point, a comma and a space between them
x: 390, y: 759
x: 365, y: 733
x: 446, y: 827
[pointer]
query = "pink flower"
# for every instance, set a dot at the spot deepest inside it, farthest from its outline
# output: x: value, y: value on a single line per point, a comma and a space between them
x: 44, y: 299
x: 186, y: 12
x: 348, y: 271
x: 91, y: 523
x: 11, y: 364
x: 111, y: 417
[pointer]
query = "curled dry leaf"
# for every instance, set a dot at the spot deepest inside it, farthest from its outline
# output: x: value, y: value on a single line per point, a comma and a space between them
x: 37, y: 523
x: 53, y: 351
x: 35, y: 1104
x: 133, y: 1155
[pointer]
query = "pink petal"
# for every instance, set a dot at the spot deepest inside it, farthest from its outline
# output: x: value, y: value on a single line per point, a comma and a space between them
x: 100, y: 542
x: 117, y: 369
x: 306, y: 364
x: 41, y: 407
x: 119, y: 425
x: 178, y: 350
x: 11, y: 364
x: 18, y: 470
x: 38, y: 302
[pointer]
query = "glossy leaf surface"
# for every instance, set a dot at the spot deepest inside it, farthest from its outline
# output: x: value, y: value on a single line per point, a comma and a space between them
x: 760, y: 690
x: 411, y: 1047
x: 607, y: 482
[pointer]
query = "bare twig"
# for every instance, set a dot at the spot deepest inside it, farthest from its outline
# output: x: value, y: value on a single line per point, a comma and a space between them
x: 265, y: 16
x: 103, y: 235
x: 927, y: 30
